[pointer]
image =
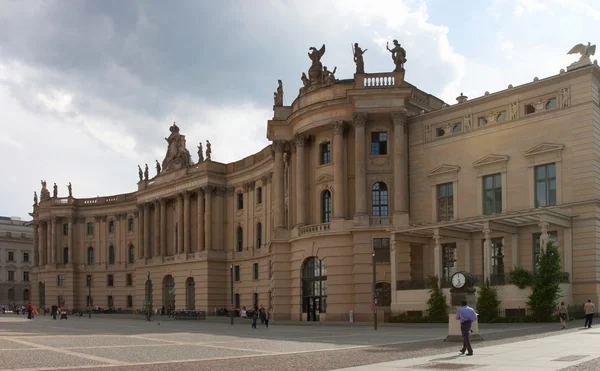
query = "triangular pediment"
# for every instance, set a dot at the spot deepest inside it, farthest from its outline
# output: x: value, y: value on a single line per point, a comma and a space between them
x: 444, y: 169
x: 324, y: 178
x: 544, y: 148
x: 490, y: 159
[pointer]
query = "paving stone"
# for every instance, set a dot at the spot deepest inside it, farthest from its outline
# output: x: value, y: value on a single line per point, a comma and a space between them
x: 38, y: 358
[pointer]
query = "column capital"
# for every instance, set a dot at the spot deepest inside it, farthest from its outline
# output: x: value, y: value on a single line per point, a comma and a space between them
x: 486, y: 233
x: 278, y: 145
x: 230, y: 191
x: 140, y: 207
x: 249, y: 186
x: 299, y: 140
x: 338, y: 127
x: 359, y: 119
x: 186, y: 195
x: 54, y: 219
x: 264, y: 179
x: 399, y: 117
x: 208, y: 189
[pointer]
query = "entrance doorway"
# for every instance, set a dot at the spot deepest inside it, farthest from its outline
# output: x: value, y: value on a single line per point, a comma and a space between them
x: 42, y: 287
x: 169, y: 293
x: 314, y: 288
x: 190, y: 287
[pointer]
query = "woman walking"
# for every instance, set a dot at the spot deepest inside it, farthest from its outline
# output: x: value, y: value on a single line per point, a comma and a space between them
x: 563, y: 314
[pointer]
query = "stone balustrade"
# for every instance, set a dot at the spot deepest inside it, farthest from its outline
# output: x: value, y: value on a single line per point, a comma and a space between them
x: 315, y: 228
x: 378, y: 80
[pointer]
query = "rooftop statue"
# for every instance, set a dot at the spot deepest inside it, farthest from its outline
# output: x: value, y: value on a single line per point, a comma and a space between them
x: 55, y: 190
x: 146, y: 173
x: 398, y: 55
x: 200, y: 154
x: 316, y: 69
x: 177, y: 154
x: 44, y: 193
x: 328, y: 76
x: 35, y: 199
x: 70, y: 189
x: 140, y: 173
x: 208, y: 150
x: 585, y: 50
x: 305, y: 83
x: 278, y: 96
x: 157, y: 168
x: 358, y: 58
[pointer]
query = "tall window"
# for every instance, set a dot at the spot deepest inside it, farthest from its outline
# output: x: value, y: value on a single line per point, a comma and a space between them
x: 25, y: 257
x: 381, y: 248
x: 445, y: 202
x: 129, y: 279
x: 497, y: 259
x: 492, y: 194
x: 379, y: 196
x: 11, y: 275
x: 236, y: 273
x: 26, y: 295
x: 240, y: 239
x: 237, y: 301
x: 240, y: 201
x: 90, y: 258
x: 449, y: 261
x: 60, y: 280
x: 66, y: 255
x: 26, y: 276
x: 258, y: 235
x: 259, y: 195
x: 129, y: 301
x: 552, y: 237
x: 65, y: 229
x: 325, y: 206
x: 111, y: 255
x: 130, y: 224
x: 110, y: 281
x: 255, y: 271
x: 325, y: 149
x: 11, y: 256
x: 379, y: 143
x: 90, y: 228
x: 111, y: 226
x: 130, y: 254
x: 545, y: 185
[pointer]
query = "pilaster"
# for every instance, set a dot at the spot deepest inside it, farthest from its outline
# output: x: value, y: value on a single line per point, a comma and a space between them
x: 339, y: 199
x: 359, y: 121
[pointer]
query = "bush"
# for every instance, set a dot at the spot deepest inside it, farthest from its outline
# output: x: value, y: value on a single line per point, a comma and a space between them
x: 488, y: 304
x: 437, y: 310
x: 546, y: 284
x: 520, y: 277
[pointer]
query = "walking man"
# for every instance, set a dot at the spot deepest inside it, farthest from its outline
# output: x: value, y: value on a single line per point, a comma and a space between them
x: 590, y: 309
x: 466, y: 315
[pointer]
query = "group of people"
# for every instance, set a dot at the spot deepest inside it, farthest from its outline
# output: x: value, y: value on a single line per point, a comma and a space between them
x: 588, y: 307
x: 262, y: 313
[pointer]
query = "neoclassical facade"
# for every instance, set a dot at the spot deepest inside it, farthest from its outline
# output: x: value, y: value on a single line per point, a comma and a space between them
x: 16, y: 261
x: 361, y: 172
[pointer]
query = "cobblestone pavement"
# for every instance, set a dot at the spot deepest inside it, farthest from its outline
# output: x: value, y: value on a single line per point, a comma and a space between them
x: 129, y: 343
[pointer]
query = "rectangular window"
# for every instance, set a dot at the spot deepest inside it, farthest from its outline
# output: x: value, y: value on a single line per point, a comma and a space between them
x: 111, y: 226
x: 11, y: 256
x: 445, y: 202
x: 325, y: 149
x: 11, y: 275
x: 449, y: 261
x: 551, y: 103
x: 259, y: 195
x: 129, y: 301
x: 255, y: 300
x: 457, y: 128
x: 240, y: 201
x: 110, y: 281
x: 379, y: 143
x: 66, y: 255
x: 26, y: 257
x: 492, y: 194
x: 131, y: 254
x: 237, y: 301
x: 88, y: 280
x: 545, y: 185
x: 255, y: 271
x: 26, y: 276
x: 129, y: 279
x: 552, y: 237
x: 236, y: 273
x: 481, y: 121
x: 90, y: 228
x: 130, y: 224
x: 60, y: 280
x: 65, y: 229
x: 381, y: 248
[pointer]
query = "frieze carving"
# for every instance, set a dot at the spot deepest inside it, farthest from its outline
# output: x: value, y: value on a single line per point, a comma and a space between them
x: 208, y: 189
x: 540, y: 105
x: 565, y: 97
x: 264, y: 179
x: 514, y: 110
x: 448, y: 129
x: 338, y: 128
x: 468, y: 123
x: 359, y: 119
x: 380, y: 160
x: 491, y: 117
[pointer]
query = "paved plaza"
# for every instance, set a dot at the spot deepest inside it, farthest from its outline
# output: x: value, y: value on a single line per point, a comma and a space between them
x: 130, y: 343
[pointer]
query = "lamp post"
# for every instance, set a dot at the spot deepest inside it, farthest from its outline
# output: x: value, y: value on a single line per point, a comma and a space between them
x: 89, y: 282
x: 14, y: 295
x: 374, y: 293
x: 232, y: 304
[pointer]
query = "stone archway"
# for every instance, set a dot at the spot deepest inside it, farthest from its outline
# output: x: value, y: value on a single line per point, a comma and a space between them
x: 169, y: 292
x: 190, y: 293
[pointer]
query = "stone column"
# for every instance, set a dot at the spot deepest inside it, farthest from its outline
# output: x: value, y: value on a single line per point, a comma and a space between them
x: 568, y: 252
x: 208, y: 218
x: 278, y: 193
x: 147, y: 238
x: 200, y: 220
x: 400, y: 167
x: 180, y: 226
x: 163, y: 227
x: 139, y: 223
x: 487, y: 249
x: 339, y: 196
x: 186, y: 223
x: 515, y: 251
x: 544, y: 238
x: 437, y: 254
x: 393, y: 266
x: 71, y: 239
x: 157, y: 229
x: 36, y: 244
x: 359, y: 120
x: 299, y: 141
x: 53, y: 240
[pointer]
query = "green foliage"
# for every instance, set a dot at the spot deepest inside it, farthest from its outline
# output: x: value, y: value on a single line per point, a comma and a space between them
x: 437, y: 310
x: 545, y: 290
x: 487, y: 303
x: 520, y: 277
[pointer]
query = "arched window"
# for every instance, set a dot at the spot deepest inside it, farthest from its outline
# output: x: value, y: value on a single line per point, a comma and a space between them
x: 169, y: 292
x: 131, y: 255
x: 314, y: 288
x: 258, y: 235
x: 66, y: 255
x: 379, y: 196
x: 240, y: 239
x: 90, y: 259
x: 111, y: 255
x: 190, y: 288
x: 326, y: 207
x: 26, y: 295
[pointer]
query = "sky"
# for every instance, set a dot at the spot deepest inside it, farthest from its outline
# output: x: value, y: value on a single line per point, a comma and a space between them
x: 88, y: 89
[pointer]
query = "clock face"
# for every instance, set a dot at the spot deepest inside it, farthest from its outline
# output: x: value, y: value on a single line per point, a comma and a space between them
x: 458, y: 280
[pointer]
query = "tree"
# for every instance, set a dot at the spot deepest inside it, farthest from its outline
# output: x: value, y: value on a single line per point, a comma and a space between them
x: 546, y: 284
x: 487, y: 302
x: 437, y: 308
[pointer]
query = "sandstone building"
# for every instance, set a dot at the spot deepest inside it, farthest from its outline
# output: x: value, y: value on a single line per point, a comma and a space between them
x: 16, y: 258
x: 359, y: 170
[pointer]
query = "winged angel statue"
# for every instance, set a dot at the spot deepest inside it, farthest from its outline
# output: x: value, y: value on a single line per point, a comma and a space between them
x: 585, y: 50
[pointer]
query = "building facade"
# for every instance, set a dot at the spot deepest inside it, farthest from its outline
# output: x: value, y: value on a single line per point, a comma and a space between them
x: 364, y: 172
x: 16, y: 258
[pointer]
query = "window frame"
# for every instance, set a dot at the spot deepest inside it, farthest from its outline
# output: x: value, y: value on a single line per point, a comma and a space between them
x: 111, y: 226
x: 90, y: 228
x: 258, y: 235
x: 381, y: 251
x: 447, y: 270
x: 130, y: 225
x: 131, y: 254
x: 129, y: 280
x: 325, y: 153
x: 379, y: 147
x: 60, y: 280
x: 447, y: 197
x: 495, y: 187
x: 26, y: 276
x: 110, y: 280
x: 383, y: 195
x: 111, y: 255
x: 326, y: 206
x: 236, y: 273
x: 91, y: 258
x: 239, y: 239
x: 10, y: 256
x: 240, y: 201
x: 255, y: 271
x: 546, y: 181
x: 25, y: 257
x: 259, y: 192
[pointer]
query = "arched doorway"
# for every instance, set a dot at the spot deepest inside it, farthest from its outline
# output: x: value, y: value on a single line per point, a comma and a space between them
x: 383, y: 294
x: 42, y: 289
x: 190, y: 293
x: 314, y: 288
x: 169, y: 292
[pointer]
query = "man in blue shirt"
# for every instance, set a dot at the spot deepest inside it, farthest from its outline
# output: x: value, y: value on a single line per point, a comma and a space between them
x: 466, y: 315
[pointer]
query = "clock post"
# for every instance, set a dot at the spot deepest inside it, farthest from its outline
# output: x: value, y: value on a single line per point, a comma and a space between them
x: 463, y: 289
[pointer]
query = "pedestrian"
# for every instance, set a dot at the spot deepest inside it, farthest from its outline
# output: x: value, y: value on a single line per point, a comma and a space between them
x: 243, y: 312
x: 466, y: 315
x: 54, y: 311
x: 254, y: 316
x: 29, y: 311
x: 267, y: 318
x: 262, y: 314
x: 563, y: 314
x: 590, y: 309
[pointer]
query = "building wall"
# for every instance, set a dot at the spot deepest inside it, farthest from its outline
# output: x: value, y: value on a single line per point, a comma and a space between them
x: 16, y: 237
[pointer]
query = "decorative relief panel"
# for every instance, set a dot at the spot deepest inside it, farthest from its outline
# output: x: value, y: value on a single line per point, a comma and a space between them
x: 565, y: 97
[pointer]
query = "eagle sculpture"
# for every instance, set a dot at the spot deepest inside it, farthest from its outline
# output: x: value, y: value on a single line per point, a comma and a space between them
x: 585, y: 50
